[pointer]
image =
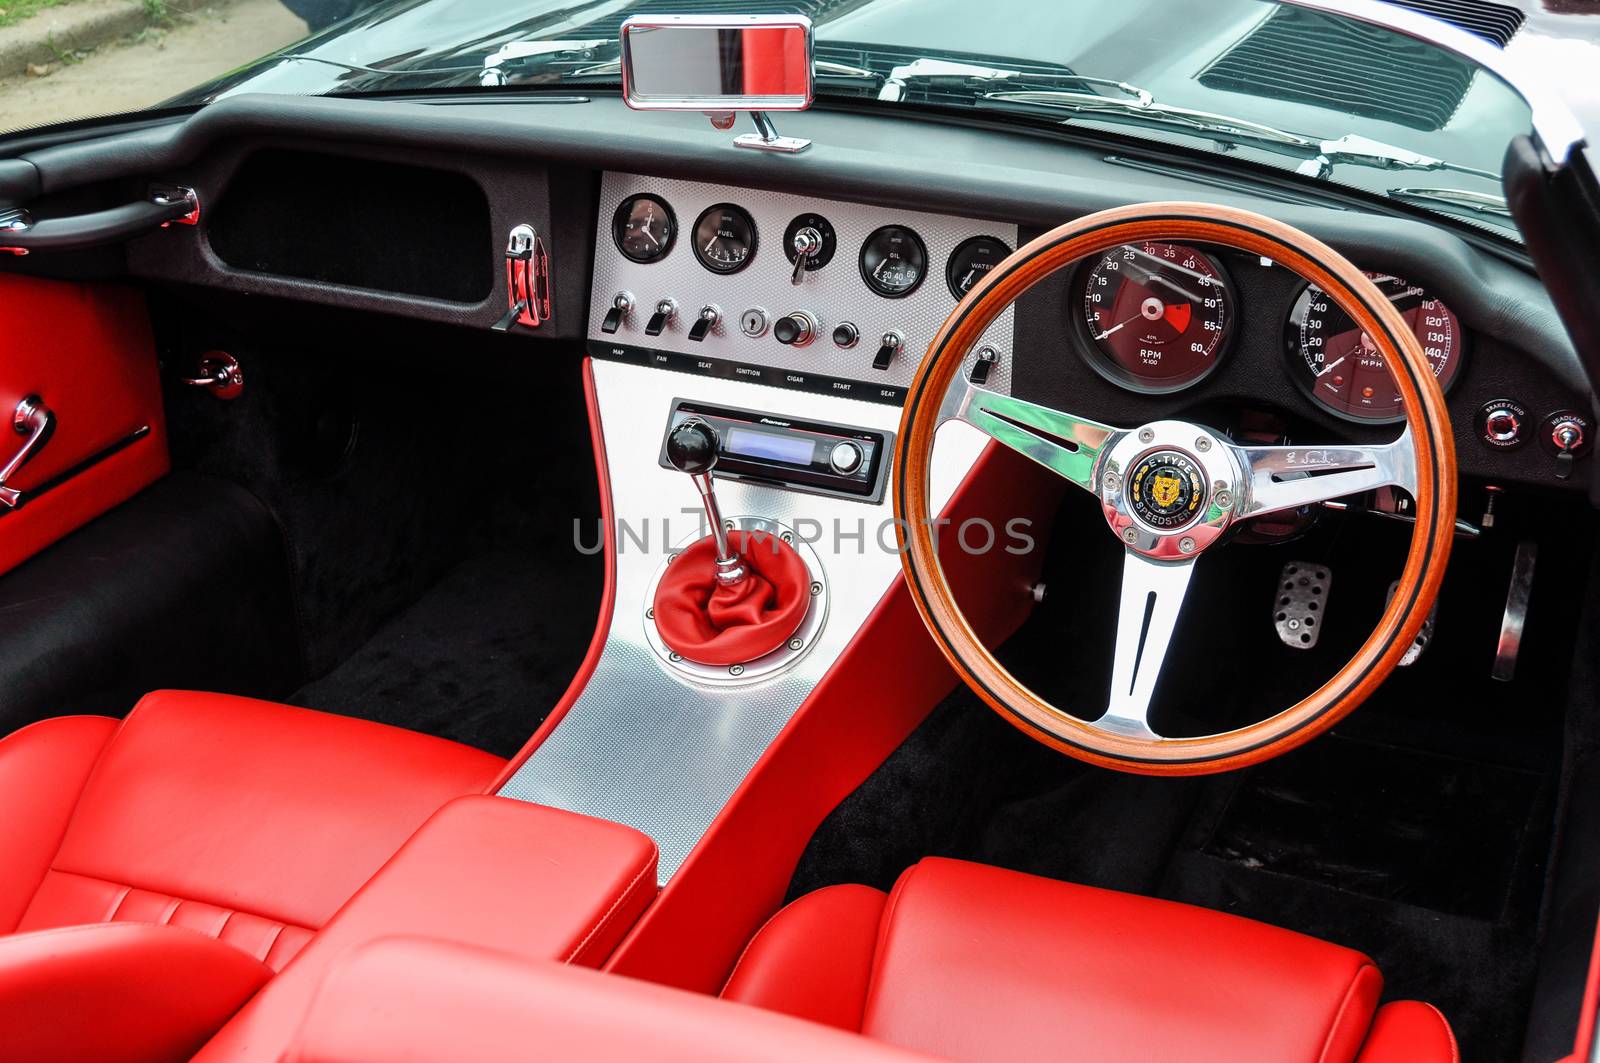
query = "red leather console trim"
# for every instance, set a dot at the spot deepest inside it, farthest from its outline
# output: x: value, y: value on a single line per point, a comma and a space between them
x: 1583, y: 1044
x: 1409, y: 1031
x: 127, y: 992
x: 256, y: 807
x: 736, y: 877
x: 42, y: 769
x: 608, y: 596
x: 813, y: 959
x: 86, y: 350
x: 532, y: 881
x: 405, y: 1000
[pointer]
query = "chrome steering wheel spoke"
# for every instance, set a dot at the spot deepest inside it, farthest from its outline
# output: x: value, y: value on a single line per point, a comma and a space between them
x: 1067, y: 445
x: 1281, y: 478
x: 1152, y: 596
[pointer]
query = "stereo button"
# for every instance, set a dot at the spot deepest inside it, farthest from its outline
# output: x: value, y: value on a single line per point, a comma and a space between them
x: 845, y: 458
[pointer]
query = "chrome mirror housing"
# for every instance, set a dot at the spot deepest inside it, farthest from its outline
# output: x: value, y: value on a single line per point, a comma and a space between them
x: 721, y: 64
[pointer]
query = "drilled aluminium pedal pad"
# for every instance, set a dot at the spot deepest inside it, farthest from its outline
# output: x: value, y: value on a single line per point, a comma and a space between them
x: 1302, y: 598
x: 1424, y: 636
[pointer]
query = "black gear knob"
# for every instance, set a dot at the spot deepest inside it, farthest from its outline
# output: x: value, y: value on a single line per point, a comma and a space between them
x: 692, y: 447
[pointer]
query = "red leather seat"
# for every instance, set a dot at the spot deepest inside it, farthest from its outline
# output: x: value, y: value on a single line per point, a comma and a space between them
x: 969, y: 962
x: 246, y: 821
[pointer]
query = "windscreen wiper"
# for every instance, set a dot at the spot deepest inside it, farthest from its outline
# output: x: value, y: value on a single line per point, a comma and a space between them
x: 522, y: 61
x: 1461, y: 198
x: 1137, y: 105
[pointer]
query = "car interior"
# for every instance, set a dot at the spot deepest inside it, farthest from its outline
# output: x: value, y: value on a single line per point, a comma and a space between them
x: 533, y: 571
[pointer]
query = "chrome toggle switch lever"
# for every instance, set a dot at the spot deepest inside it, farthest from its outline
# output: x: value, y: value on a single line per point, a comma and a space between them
x: 807, y: 243
x: 692, y: 449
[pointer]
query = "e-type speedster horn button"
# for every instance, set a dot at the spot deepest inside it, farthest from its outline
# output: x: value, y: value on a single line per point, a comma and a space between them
x: 1166, y: 490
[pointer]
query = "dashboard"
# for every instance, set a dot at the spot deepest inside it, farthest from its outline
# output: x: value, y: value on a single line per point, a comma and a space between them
x: 1510, y: 373
x: 830, y: 296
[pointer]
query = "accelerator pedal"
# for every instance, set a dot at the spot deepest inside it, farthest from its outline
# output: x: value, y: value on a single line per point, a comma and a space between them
x: 1302, y: 598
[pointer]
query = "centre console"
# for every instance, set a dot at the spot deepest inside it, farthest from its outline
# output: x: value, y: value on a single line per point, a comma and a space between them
x: 766, y: 341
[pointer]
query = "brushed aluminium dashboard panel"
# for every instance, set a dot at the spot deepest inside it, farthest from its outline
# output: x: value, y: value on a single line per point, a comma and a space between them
x: 643, y: 744
x: 833, y: 294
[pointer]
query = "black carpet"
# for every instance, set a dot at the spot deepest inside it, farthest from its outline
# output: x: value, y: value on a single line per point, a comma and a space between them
x: 482, y: 658
x: 1419, y: 831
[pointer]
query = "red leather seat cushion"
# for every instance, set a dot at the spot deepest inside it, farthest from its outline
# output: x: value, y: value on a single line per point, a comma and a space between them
x: 244, y: 820
x: 977, y: 963
x: 126, y: 992
x: 405, y: 1000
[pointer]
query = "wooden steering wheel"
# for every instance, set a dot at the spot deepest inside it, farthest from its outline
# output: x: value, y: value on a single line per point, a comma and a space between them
x: 1170, y: 489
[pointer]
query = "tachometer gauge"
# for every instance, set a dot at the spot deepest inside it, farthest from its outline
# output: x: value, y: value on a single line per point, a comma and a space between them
x: 644, y: 227
x: 1339, y: 367
x: 724, y: 238
x: 1157, y: 315
x: 893, y: 261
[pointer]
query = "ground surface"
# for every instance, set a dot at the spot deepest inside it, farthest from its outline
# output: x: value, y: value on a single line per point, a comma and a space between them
x: 150, y: 66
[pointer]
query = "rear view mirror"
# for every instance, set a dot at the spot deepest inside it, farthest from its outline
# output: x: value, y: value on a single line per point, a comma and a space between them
x: 720, y: 64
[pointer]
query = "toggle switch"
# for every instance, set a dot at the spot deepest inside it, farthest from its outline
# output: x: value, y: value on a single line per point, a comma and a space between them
x: 709, y: 316
x: 666, y: 310
x: 621, y: 307
x: 988, y: 358
x: 892, y: 344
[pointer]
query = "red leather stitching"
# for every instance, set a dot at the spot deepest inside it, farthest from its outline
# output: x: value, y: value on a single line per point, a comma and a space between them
x: 627, y: 893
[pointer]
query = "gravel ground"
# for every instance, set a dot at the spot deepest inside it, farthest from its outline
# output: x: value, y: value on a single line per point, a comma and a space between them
x: 150, y: 67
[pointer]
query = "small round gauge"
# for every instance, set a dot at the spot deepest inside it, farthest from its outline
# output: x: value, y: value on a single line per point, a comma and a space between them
x: 1157, y: 315
x: 724, y: 238
x: 970, y: 260
x: 644, y: 228
x: 1339, y: 367
x: 821, y: 239
x: 893, y: 261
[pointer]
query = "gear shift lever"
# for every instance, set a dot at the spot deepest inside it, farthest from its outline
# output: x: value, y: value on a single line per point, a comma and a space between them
x: 692, y: 449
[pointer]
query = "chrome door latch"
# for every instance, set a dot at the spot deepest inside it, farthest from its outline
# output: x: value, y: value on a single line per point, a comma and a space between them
x: 527, y: 280
x: 33, y: 419
x: 221, y: 373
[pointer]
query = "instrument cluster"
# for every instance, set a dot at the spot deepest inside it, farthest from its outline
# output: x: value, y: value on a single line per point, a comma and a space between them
x: 1160, y: 317
x: 795, y: 291
x: 893, y: 259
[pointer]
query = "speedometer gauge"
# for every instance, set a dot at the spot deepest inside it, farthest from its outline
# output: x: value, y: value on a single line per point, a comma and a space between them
x: 1157, y: 315
x: 1339, y: 366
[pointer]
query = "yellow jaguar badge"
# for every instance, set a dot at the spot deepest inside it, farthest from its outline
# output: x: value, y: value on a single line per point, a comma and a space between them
x: 1164, y: 488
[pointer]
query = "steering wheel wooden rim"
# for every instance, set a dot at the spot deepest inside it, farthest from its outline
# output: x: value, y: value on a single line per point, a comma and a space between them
x: 1435, y: 487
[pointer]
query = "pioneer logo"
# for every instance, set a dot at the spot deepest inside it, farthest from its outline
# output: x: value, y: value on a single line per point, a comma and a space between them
x: 776, y: 423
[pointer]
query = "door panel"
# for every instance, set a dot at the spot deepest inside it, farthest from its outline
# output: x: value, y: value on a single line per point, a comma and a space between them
x: 86, y: 353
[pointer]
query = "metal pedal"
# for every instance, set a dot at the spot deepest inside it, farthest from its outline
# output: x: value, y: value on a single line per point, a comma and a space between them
x: 1424, y: 636
x: 1302, y: 597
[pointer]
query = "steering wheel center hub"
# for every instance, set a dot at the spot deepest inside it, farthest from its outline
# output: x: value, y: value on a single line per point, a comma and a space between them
x: 1168, y: 488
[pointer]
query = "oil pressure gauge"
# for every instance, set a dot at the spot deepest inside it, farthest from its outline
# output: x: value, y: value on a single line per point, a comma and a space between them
x: 893, y: 261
